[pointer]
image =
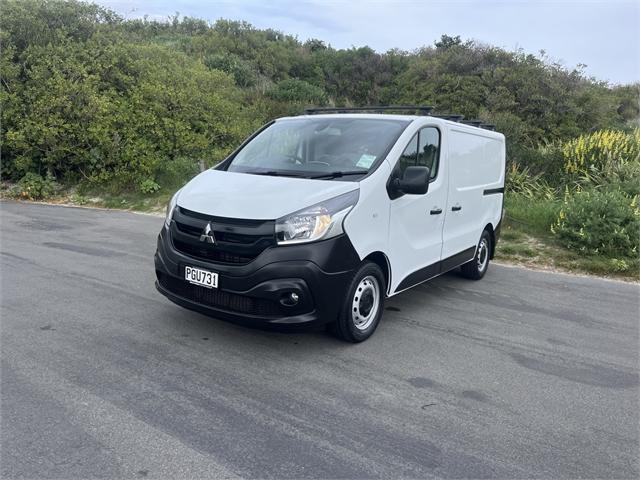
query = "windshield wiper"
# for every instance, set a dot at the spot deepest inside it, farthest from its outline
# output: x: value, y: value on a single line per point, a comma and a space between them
x: 274, y: 173
x: 340, y: 174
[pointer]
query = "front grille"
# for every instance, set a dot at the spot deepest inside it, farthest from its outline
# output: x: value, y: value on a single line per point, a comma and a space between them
x: 212, y: 297
x: 237, y: 241
x: 204, y: 252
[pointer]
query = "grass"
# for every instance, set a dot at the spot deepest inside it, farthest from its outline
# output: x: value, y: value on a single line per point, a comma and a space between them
x: 526, y: 239
x: 153, y: 203
x: 134, y: 201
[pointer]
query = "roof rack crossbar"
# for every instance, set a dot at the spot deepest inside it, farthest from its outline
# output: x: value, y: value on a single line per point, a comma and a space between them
x: 451, y: 117
x: 423, y: 109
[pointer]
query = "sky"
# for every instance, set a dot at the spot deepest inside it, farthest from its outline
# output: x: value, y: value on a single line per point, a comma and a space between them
x: 603, y: 35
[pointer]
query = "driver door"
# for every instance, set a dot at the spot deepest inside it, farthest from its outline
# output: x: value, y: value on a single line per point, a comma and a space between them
x: 417, y: 221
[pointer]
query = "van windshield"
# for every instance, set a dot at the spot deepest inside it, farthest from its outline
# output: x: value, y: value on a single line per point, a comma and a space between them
x: 318, y: 147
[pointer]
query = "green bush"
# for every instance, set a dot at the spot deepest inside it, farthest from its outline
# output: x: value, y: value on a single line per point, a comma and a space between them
x: 600, y: 222
x: 112, y: 113
x: 298, y: 91
x: 35, y: 187
x: 545, y: 160
x: 149, y: 186
x: 176, y: 173
x: 242, y: 71
x: 520, y: 181
x: 625, y: 179
x: 79, y: 199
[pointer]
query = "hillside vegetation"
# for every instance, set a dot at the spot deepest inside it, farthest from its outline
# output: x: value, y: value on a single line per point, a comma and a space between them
x: 131, y: 109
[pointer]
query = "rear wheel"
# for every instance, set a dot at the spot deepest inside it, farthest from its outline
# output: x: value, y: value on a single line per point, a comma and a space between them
x: 363, y: 305
x: 476, y: 268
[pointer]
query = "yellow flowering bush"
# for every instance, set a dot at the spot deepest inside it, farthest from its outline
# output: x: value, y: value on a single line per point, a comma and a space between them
x: 600, y: 213
x: 601, y: 153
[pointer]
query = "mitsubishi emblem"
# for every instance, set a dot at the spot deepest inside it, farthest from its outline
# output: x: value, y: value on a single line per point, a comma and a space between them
x: 207, y: 234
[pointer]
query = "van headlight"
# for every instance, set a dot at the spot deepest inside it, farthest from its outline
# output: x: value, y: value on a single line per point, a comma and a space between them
x: 170, y: 206
x: 320, y: 221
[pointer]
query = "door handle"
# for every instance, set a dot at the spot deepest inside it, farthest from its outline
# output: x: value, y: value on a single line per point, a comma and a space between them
x: 436, y: 211
x: 456, y: 208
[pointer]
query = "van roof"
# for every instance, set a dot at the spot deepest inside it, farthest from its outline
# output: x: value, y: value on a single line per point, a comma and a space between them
x: 412, y: 110
x: 438, y: 119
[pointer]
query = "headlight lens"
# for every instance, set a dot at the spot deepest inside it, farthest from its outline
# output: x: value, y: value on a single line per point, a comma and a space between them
x: 317, y: 222
x: 170, y: 206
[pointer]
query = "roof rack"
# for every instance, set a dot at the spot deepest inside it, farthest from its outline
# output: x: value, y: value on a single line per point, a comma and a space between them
x: 423, y: 109
x: 453, y: 118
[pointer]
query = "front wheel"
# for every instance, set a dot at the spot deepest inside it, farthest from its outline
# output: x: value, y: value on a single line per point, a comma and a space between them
x: 363, y: 305
x: 476, y: 268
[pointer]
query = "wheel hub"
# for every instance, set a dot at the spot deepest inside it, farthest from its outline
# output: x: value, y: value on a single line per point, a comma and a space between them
x: 483, y: 255
x: 365, y: 303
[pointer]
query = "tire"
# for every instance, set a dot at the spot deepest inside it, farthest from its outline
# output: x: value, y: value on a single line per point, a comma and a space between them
x: 362, y: 306
x: 476, y: 268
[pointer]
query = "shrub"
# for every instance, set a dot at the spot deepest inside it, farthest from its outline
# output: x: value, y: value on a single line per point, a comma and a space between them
x: 520, y: 181
x: 298, y: 91
x: 242, y: 71
x: 601, y: 154
x: 112, y: 117
x: 619, y: 265
x: 79, y: 199
x: 600, y: 222
x: 545, y: 160
x: 149, y: 186
x: 626, y: 179
x: 35, y: 187
x: 176, y: 173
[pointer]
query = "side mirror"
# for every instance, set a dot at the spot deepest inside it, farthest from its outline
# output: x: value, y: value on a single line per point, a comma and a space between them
x: 414, y: 181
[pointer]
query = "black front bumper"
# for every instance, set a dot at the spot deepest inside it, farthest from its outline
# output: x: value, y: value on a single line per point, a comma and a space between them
x: 258, y: 293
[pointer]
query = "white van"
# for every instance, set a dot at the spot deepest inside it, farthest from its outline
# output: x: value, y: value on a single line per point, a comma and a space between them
x: 316, y: 219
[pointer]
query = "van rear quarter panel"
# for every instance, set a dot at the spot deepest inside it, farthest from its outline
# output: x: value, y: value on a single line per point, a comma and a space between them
x: 477, y: 163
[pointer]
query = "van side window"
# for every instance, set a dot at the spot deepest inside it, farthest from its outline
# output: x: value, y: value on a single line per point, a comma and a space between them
x: 423, y: 150
x: 429, y: 150
x: 410, y: 155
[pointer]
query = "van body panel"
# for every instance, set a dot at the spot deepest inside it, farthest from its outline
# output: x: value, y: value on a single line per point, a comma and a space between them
x: 415, y: 233
x: 260, y: 197
x: 368, y: 223
x: 476, y: 161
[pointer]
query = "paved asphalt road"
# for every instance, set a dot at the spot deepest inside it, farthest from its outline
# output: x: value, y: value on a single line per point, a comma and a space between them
x: 523, y: 374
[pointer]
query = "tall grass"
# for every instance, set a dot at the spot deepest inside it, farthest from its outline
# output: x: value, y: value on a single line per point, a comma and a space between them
x: 532, y: 215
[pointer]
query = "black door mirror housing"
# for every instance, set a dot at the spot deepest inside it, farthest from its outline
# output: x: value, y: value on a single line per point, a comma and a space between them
x: 415, y: 181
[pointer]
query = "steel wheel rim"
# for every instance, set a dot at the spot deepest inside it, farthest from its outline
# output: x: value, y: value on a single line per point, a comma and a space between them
x: 483, y: 255
x: 365, y: 303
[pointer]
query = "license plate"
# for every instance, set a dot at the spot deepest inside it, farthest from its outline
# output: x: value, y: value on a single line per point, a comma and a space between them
x: 201, y: 277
